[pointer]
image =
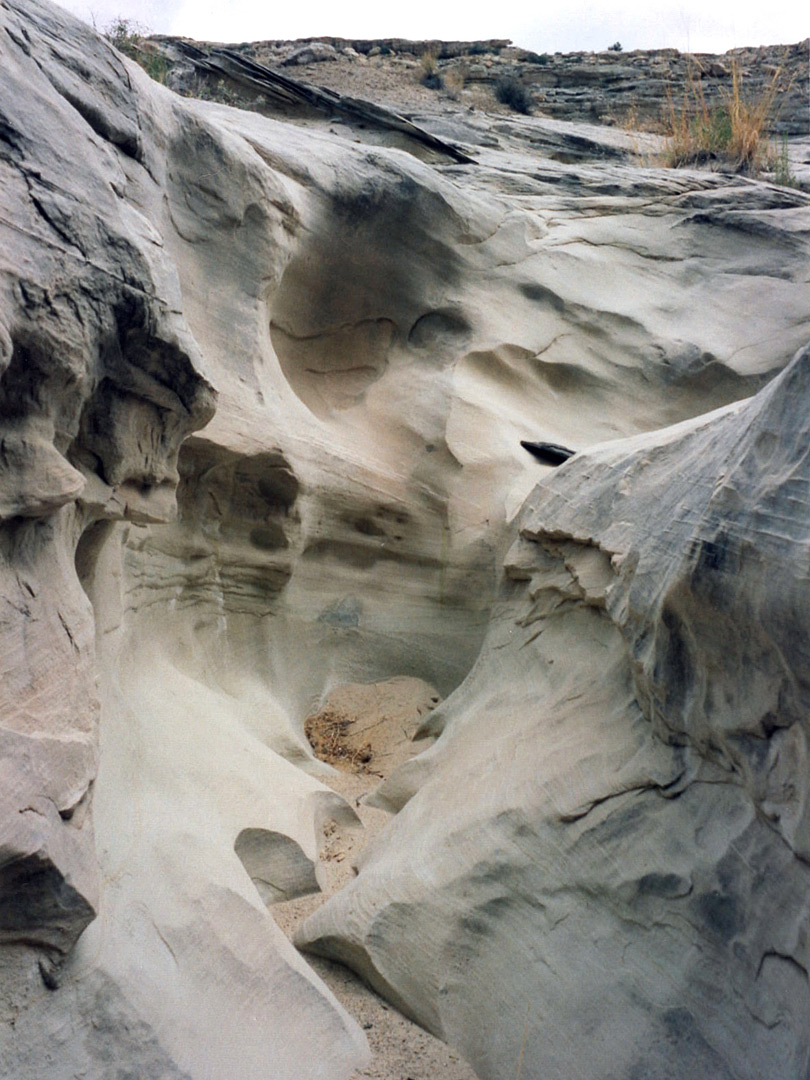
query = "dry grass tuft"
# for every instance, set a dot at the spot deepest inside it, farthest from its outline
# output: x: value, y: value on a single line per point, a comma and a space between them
x: 454, y: 81
x: 430, y: 76
x: 328, y: 734
x: 732, y: 133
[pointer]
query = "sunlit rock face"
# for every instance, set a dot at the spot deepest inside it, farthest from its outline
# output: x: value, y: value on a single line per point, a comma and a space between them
x: 182, y: 587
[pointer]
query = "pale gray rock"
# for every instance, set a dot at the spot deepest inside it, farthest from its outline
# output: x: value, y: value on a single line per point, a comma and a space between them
x: 629, y: 880
x: 101, y: 381
x: 315, y: 53
x: 382, y: 333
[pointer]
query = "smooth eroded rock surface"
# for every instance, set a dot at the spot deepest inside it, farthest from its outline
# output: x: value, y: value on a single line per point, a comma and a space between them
x: 631, y: 872
x: 263, y: 387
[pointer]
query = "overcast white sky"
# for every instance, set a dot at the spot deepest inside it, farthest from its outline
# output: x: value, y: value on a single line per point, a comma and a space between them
x: 688, y: 25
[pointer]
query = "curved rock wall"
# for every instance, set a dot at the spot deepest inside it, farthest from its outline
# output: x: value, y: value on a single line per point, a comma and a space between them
x: 632, y: 873
x: 182, y: 587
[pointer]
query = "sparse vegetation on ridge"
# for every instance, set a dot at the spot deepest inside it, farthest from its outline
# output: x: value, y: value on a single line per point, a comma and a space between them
x: 130, y: 38
x: 729, y: 112
x: 430, y: 75
x: 454, y: 83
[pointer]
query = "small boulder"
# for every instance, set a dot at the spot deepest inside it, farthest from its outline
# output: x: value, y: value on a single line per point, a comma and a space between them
x: 715, y: 70
x: 313, y: 53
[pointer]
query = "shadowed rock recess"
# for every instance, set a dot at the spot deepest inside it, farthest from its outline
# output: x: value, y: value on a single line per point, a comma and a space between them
x: 262, y: 394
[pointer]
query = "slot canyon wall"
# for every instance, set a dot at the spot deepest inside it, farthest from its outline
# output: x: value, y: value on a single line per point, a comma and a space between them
x: 262, y: 391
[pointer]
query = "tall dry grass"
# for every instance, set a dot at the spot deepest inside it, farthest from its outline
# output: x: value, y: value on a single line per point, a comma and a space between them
x: 733, y: 132
x: 454, y: 81
x: 430, y: 76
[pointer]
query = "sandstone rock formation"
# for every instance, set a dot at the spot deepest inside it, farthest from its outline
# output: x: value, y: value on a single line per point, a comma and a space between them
x: 182, y: 587
x: 631, y: 875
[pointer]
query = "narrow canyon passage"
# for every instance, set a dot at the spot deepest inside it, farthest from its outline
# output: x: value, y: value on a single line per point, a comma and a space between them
x: 274, y: 564
x: 366, y: 731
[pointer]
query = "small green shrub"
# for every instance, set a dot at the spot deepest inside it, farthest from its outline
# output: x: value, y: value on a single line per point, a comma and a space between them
x: 130, y: 38
x: 154, y: 64
x: 782, y: 173
x: 511, y: 91
x: 207, y: 88
x: 484, y: 48
x: 615, y: 47
x: 125, y: 35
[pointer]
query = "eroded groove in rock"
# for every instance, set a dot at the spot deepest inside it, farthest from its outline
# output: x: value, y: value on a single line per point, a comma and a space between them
x: 635, y: 729
x: 614, y: 812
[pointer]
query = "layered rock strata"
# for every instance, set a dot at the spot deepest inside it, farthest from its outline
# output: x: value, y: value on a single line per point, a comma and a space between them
x: 640, y: 87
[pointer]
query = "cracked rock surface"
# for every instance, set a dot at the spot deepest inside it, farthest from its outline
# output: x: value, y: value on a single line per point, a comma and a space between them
x: 263, y: 385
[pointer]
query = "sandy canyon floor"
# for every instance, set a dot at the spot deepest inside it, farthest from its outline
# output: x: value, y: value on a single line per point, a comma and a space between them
x: 364, y: 732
